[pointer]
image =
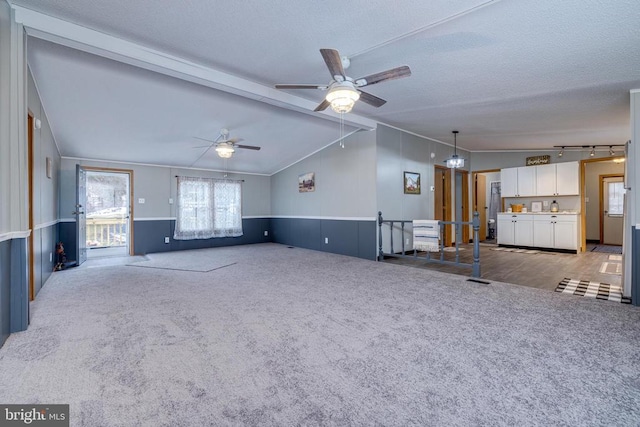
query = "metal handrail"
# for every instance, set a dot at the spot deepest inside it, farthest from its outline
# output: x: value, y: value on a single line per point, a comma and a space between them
x: 475, y: 223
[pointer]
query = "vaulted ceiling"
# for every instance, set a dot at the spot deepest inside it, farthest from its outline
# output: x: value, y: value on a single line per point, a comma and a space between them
x: 136, y: 81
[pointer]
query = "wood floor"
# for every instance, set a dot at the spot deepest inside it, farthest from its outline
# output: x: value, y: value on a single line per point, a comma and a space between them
x: 542, y: 270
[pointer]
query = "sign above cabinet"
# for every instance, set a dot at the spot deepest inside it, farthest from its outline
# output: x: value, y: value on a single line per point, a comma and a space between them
x: 538, y: 160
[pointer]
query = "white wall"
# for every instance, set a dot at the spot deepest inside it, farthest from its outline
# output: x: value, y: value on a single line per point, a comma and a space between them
x: 345, y: 182
x: 46, y: 190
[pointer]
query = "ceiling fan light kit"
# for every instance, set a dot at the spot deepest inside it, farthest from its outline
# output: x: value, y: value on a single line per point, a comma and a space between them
x: 455, y: 161
x: 342, y: 97
x: 225, y: 150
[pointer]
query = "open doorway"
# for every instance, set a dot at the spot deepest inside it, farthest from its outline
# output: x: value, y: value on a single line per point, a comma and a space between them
x: 487, y: 201
x: 108, y: 215
x: 603, y: 205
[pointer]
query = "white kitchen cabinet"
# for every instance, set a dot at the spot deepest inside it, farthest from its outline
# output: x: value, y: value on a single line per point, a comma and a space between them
x: 518, y: 182
x: 568, y: 179
x: 515, y: 229
x: 558, y: 179
x: 555, y: 231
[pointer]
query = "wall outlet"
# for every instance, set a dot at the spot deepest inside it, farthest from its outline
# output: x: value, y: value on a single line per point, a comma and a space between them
x: 141, y: 200
x: 166, y: 240
x: 326, y: 240
x: 545, y: 203
x: 407, y: 241
x: 266, y: 233
x: 50, y: 257
x: 170, y: 201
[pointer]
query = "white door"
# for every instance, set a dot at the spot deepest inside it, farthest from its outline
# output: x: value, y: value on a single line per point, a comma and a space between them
x: 613, y: 210
x: 80, y: 213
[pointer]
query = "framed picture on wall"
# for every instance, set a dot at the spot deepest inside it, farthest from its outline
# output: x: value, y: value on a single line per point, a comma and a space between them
x: 307, y: 182
x: 411, y: 183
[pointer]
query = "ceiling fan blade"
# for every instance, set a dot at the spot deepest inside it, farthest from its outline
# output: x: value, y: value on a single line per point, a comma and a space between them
x: 233, y: 140
x: 202, y: 146
x: 247, y: 147
x: 395, y: 73
x: 301, y: 86
x: 371, y: 99
x: 208, y: 140
x: 323, y: 105
x: 334, y: 63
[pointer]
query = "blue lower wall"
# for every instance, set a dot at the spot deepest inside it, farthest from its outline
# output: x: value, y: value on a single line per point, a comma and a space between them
x: 14, y: 291
x: 5, y: 290
x: 635, y: 266
x: 149, y: 236
x: 353, y: 238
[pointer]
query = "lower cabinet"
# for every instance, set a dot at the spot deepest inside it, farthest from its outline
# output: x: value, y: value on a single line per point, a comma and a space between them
x: 539, y: 230
x: 555, y: 231
x: 515, y: 229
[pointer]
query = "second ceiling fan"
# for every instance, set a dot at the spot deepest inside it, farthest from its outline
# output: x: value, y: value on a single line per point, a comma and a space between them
x: 344, y: 91
x: 225, y: 146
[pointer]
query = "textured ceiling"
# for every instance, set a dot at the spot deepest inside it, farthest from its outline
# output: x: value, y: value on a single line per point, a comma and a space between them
x: 510, y: 74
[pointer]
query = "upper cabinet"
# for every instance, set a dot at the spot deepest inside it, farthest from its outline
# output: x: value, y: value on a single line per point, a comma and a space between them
x: 558, y: 179
x: 518, y: 182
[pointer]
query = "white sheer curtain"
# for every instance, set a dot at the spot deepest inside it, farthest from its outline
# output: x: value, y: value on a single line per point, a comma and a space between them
x: 227, y: 200
x: 208, y: 208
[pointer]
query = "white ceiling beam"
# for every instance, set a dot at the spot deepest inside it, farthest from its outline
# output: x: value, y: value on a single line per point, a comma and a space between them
x: 75, y: 36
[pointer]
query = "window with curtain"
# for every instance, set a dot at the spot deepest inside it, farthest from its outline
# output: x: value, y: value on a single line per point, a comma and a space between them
x: 208, y: 208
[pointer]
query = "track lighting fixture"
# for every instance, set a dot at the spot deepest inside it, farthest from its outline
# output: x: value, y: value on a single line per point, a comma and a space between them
x: 561, y: 153
x: 593, y: 151
x: 611, y: 152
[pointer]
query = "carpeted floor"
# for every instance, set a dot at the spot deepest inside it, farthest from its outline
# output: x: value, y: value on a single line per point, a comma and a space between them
x: 297, y: 337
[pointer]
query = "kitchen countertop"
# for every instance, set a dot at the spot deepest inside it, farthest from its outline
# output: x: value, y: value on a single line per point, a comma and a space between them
x: 542, y: 213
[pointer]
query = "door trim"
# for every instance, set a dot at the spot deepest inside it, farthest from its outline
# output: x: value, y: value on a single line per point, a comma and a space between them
x: 30, y: 168
x: 130, y: 173
x: 465, y: 204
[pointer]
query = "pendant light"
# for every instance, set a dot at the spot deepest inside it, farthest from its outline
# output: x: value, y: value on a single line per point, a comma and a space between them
x: 455, y: 162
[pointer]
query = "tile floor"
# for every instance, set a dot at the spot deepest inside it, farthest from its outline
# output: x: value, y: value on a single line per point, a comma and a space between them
x: 542, y: 270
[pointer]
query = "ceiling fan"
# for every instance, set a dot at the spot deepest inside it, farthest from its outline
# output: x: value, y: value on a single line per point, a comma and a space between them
x: 343, y: 90
x: 225, y: 146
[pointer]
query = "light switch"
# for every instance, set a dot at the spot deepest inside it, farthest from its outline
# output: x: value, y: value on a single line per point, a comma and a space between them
x: 170, y: 201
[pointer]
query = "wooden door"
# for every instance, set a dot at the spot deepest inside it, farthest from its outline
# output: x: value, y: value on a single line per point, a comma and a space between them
x: 442, y: 199
x: 464, y: 209
x: 480, y: 203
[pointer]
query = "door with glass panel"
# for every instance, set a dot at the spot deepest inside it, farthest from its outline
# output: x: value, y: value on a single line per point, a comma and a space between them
x: 612, y: 202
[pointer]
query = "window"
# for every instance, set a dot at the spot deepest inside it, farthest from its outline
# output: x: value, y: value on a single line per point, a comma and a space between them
x: 616, y: 198
x: 208, y: 208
